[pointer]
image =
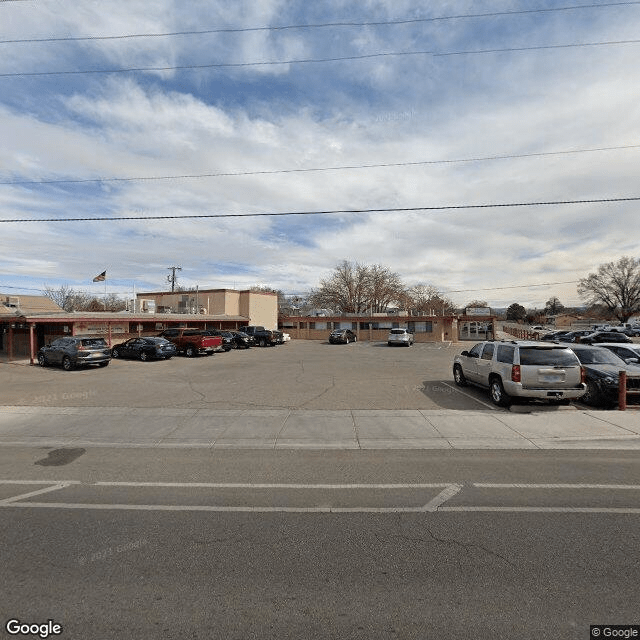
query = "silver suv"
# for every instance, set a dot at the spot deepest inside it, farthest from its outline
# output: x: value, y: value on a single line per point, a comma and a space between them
x: 400, y: 336
x: 523, y: 369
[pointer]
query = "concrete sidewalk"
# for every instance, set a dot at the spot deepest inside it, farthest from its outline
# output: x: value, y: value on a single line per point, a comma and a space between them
x: 297, y: 429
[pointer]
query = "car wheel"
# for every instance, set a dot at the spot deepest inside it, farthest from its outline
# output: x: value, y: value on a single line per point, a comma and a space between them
x: 389, y: 344
x: 115, y: 353
x: 458, y: 376
x: 190, y: 352
x: 355, y: 339
x: 42, y: 361
x: 143, y: 356
x: 592, y: 395
x: 346, y: 341
x: 66, y: 363
x: 498, y: 395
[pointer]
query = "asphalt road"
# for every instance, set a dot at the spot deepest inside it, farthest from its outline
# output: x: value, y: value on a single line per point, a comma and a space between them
x: 122, y: 543
x: 297, y: 375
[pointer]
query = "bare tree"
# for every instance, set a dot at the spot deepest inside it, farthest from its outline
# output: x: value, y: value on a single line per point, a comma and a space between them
x: 553, y: 306
x: 358, y: 288
x: 67, y: 298
x: 616, y: 285
x: 423, y: 299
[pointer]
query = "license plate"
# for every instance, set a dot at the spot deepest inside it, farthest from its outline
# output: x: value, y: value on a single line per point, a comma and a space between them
x: 551, y: 378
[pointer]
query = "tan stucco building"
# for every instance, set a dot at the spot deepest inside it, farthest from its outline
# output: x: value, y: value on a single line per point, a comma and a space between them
x: 259, y: 307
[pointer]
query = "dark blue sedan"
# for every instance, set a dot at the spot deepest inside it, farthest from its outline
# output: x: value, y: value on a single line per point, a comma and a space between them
x: 152, y: 348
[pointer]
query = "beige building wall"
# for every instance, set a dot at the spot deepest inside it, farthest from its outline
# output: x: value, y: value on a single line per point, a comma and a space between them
x: 261, y: 308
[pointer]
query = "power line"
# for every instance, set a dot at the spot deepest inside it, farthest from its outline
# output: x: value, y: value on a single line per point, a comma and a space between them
x: 229, y: 65
x: 512, y: 156
x: 344, y: 211
x: 377, y: 23
x: 517, y: 286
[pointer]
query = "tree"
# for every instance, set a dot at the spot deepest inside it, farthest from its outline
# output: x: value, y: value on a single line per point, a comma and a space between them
x: 476, y: 304
x: 516, y: 312
x: 423, y: 299
x: 67, y: 298
x: 616, y: 285
x: 553, y: 306
x: 358, y: 288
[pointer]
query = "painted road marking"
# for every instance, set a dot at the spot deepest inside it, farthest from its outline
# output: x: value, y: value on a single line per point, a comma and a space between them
x: 484, y: 404
x: 436, y: 505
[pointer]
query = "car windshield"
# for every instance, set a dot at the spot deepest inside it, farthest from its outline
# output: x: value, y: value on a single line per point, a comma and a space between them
x: 552, y: 357
x: 597, y: 356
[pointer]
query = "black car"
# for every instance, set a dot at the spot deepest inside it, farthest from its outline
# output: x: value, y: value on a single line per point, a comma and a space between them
x: 343, y: 336
x: 554, y: 335
x: 152, y: 348
x: 576, y: 336
x: 602, y: 369
x: 605, y: 336
x: 242, y: 340
x: 75, y: 351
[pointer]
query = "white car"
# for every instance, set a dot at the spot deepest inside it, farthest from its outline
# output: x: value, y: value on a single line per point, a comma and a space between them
x: 400, y: 336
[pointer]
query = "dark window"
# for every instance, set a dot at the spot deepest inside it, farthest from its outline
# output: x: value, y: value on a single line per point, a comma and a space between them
x: 487, y: 352
x: 505, y: 353
x: 551, y: 357
x: 475, y: 351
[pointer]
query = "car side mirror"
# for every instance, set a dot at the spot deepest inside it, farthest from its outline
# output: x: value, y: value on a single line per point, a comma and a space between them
x: 465, y: 353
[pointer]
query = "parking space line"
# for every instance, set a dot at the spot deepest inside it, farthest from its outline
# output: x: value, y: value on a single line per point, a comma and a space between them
x: 484, y: 404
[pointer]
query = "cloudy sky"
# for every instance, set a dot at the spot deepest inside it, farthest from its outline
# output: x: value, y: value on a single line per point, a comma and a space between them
x: 274, y: 106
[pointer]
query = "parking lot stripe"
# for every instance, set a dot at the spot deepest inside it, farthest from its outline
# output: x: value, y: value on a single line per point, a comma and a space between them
x: 484, y: 404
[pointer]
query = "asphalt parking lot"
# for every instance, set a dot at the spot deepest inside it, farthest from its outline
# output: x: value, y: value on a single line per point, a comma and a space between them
x: 297, y: 375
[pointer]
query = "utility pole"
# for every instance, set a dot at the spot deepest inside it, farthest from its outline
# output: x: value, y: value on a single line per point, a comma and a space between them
x: 172, y: 278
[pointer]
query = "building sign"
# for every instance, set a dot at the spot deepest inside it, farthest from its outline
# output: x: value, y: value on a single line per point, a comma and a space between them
x: 100, y: 329
x: 477, y: 311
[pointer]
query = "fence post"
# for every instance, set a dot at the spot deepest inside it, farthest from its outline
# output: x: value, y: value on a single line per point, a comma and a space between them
x: 622, y: 391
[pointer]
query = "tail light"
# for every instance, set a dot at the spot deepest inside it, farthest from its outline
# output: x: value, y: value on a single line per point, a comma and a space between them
x: 515, y: 373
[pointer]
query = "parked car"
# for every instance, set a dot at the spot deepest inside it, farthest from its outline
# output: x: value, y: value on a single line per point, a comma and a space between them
x: 575, y: 336
x: 342, y: 336
x: 628, y: 353
x: 604, y: 336
x: 75, y: 351
x: 263, y: 337
x: 602, y: 369
x: 553, y: 335
x: 190, y: 341
x: 242, y: 340
x: 148, y: 348
x: 227, y: 339
x: 521, y: 368
x: 400, y: 336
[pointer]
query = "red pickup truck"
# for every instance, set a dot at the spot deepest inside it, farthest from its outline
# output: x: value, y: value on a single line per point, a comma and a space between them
x: 191, y: 341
